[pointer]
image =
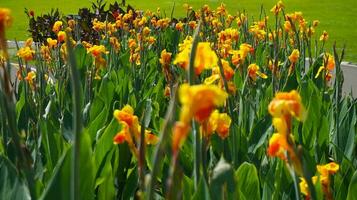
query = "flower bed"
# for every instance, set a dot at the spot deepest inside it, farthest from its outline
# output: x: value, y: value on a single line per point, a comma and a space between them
x: 131, y: 104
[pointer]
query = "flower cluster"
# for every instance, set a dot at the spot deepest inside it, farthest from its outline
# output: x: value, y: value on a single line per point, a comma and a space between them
x: 131, y: 129
x: 284, y: 107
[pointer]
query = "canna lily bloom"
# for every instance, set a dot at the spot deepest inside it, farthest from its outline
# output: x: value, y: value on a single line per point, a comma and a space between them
x: 61, y: 36
x: 198, y: 101
x: 26, y: 53
x: 28, y: 42
x: 45, y: 52
x: 130, y: 130
x: 205, y: 58
x: 277, y: 146
x: 97, y: 50
x: 179, y: 26
x: 126, y: 114
x: 57, y: 26
x: 114, y: 42
x: 315, y: 23
x: 5, y: 17
x: 277, y: 8
x: 294, y: 56
x: 253, y: 71
x: 219, y: 123
x: 287, y: 103
x: 51, y: 43
x: 165, y: 58
x: 329, y: 65
x: 324, y: 36
x: 324, y: 177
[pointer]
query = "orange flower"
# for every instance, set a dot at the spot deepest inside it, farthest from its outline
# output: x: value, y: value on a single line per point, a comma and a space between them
x: 277, y: 146
x: 26, y: 53
x: 51, y: 43
x: 5, y: 18
x: 287, y: 103
x: 253, y: 71
x: 277, y: 8
x: 126, y: 114
x: 205, y: 58
x: 97, y: 50
x: 219, y: 123
x: 165, y: 58
x: 150, y: 139
x: 198, y: 101
x: 57, y: 26
x: 294, y: 56
x: 61, y: 36
x: 180, y: 132
x: 324, y: 36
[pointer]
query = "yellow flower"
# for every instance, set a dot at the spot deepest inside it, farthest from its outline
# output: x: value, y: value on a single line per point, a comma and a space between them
x: 179, y: 26
x: 198, y: 101
x: 327, y: 169
x: 5, y: 17
x: 115, y: 43
x: 26, y: 53
x: 45, y: 52
x: 277, y: 8
x: 126, y: 114
x: 277, y: 146
x: 304, y: 188
x: 61, y: 36
x: 329, y: 65
x: 324, y: 36
x: 28, y: 42
x: 51, y: 43
x: 315, y: 23
x: 294, y: 56
x: 97, y: 50
x: 205, y: 58
x: 253, y: 71
x: 165, y: 58
x: 287, y: 26
x: 57, y: 26
x: 219, y: 123
x: 287, y: 103
x: 150, y: 139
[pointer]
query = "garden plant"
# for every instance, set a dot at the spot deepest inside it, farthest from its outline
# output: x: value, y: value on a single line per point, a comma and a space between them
x: 120, y: 103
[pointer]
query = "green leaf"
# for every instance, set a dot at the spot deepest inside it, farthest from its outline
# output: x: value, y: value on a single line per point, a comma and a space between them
x: 248, y: 181
x: 202, y: 192
x: 352, y: 188
x: 11, y: 185
x: 59, y: 184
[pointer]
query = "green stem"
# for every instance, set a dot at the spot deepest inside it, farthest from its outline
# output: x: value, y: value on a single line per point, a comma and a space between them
x: 77, y: 125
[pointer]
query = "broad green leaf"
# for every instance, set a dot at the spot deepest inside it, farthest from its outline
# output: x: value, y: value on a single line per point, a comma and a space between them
x: 222, y: 183
x: 248, y: 181
x: 202, y: 192
x: 352, y: 188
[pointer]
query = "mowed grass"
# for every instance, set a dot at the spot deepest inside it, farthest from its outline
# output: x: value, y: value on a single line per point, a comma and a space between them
x: 337, y: 17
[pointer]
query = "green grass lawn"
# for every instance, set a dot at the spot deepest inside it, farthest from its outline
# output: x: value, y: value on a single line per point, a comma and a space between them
x: 338, y: 17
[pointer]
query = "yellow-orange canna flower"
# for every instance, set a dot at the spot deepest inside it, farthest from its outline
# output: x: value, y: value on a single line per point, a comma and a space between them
x: 277, y: 146
x: 5, y: 17
x: 51, y: 43
x: 97, y: 50
x: 26, y: 53
x: 61, y: 36
x: 57, y: 26
x: 179, y: 26
x: 287, y: 103
x: 324, y: 36
x: 324, y: 177
x: 126, y: 114
x: 294, y: 56
x: 28, y: 42
x: 205, y: 58
x: 254, y: 70
x: 329, y: 65
x: 165, y: 58
x: 198, y: 101
x: 277, y: 8
x: 219, y: 123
